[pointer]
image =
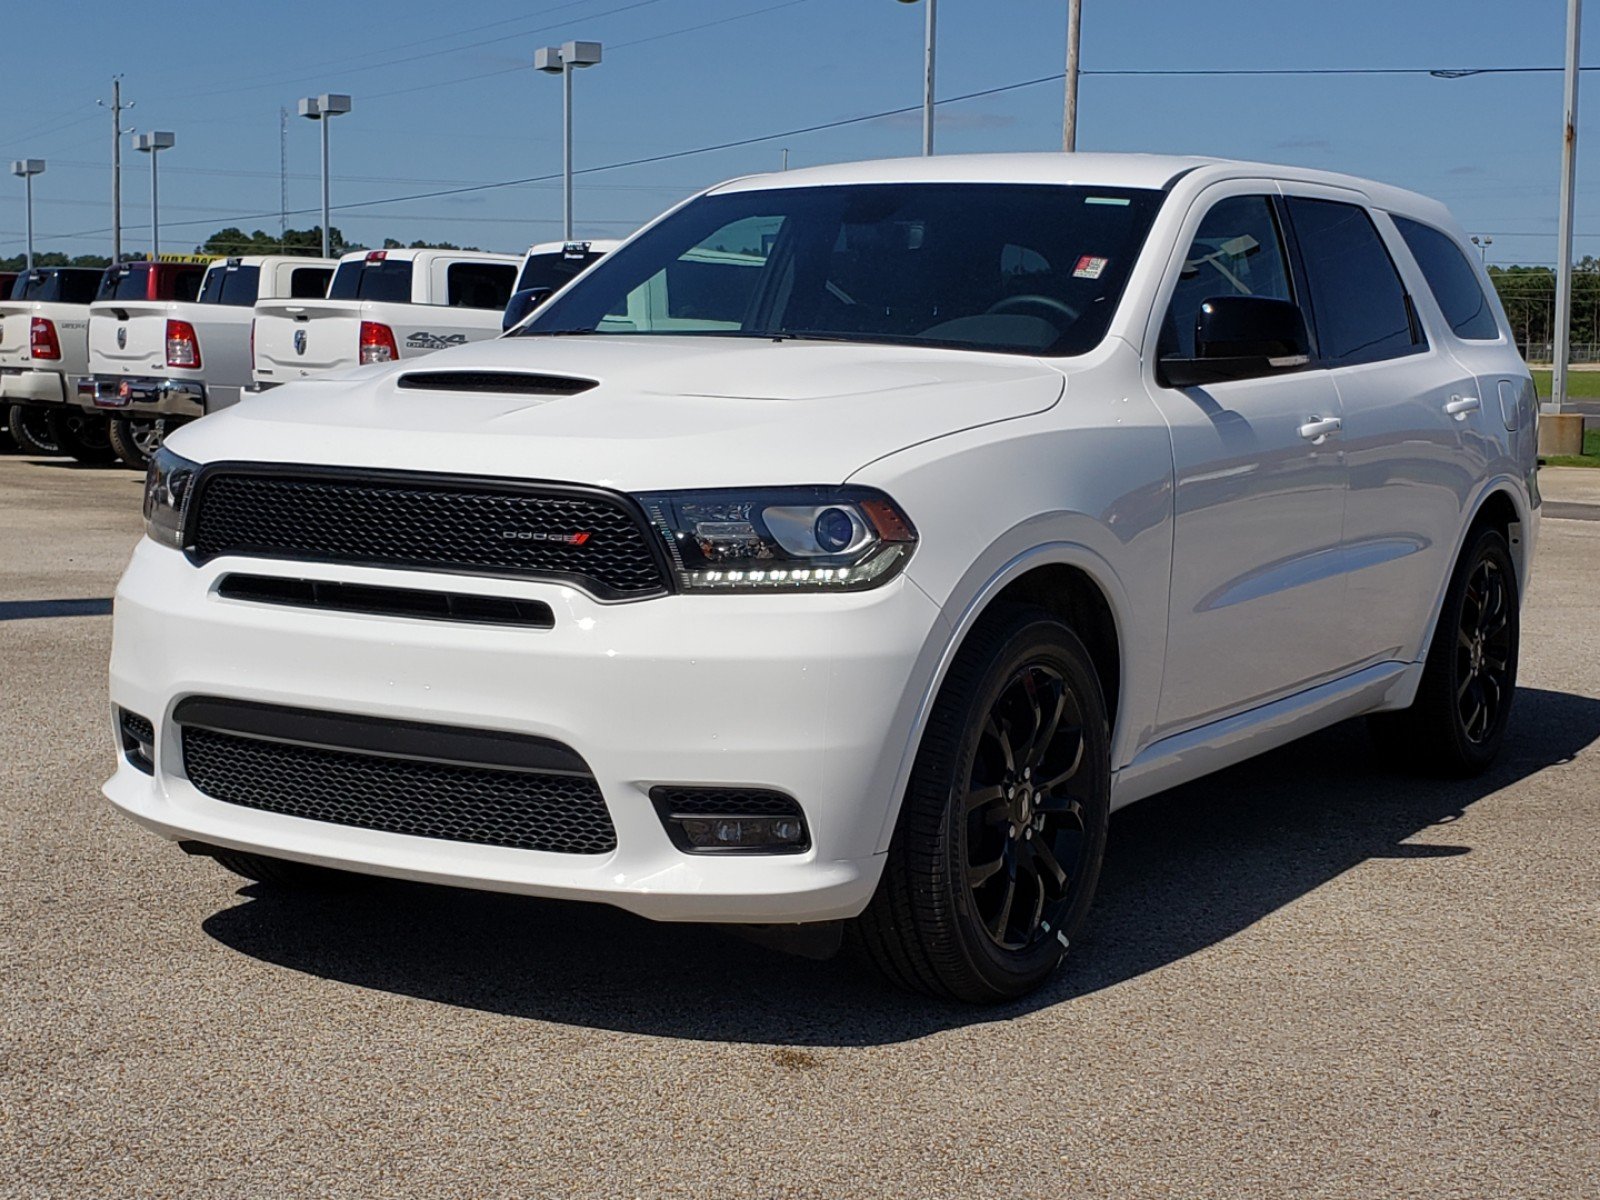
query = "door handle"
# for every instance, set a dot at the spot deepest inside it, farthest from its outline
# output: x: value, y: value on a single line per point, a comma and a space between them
x: 1460, y: 406
x: 1318, y: 428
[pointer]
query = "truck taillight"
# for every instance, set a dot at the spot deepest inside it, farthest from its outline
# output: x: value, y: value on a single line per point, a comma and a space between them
x: 377, y: 343
x: 183, y: 347
x: 42, y: 339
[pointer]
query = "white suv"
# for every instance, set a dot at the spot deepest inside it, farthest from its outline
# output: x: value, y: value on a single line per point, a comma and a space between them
x: 844, y: 548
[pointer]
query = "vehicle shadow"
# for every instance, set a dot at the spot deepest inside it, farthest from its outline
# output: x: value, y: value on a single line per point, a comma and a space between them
x: 1185, y: 870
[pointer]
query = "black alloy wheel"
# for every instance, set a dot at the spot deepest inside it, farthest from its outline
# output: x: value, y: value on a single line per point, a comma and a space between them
x: 1457, y: 722
x: 1002, y: 830
x: 1025, y: 839
x: 86, y: 436
x: 29, y: 426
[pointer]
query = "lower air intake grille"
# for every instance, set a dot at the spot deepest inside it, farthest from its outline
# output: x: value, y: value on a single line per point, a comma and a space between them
x: 452, y: 524
x: 522, y: 810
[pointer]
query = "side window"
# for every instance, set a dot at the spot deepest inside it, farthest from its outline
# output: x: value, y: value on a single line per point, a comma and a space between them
x: 1451, y: 279
x: 1358, y: 302
x: 1237, y: 251
x: 710, y: 285
x: 479, y: 285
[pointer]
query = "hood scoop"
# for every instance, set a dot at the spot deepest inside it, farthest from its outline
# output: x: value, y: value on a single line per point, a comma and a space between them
x: 503, y: 383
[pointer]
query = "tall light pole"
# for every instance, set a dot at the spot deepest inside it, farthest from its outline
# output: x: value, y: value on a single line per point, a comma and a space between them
x: 928, y: 42
x: 1569, y: 162
x: 28, y: 168
x: 563, y: 60
x: 116, y: 106
x: 1069, y: 123
x: 1483, y: 244
x: 152, y: 144
x: 325, y: 108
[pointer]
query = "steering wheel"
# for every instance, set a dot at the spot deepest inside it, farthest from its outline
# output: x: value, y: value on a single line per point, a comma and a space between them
x: 1009, y: 302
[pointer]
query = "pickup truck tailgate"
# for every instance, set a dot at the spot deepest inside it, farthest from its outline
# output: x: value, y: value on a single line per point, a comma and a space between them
x: 16, y: 323
x: 128, y: 338
x: 298, y: 338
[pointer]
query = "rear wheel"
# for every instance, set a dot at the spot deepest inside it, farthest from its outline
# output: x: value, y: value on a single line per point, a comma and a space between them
x: 1458, y: 720
x: 29, y: 426
x: 1003, y: 829
x: 136, y: 439
x: 84, y: 435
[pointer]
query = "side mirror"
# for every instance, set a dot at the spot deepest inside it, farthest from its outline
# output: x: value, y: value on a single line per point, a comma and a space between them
x: 1241, y: 337
x: 521, y: 304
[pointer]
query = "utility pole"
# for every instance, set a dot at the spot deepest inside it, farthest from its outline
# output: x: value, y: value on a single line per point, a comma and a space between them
x: 283, y: 175
x: 1069, y: 125
x: 116, y: 106
x: 1569, y: 163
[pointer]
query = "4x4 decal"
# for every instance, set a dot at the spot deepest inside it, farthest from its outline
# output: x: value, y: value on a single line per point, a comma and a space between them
x: 434, y: 341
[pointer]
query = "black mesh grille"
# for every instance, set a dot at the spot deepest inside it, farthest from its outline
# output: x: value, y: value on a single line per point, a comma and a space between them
x: 137, y: 728
x: 450, y: 525
x: 523, y: 810
x: 723, y: 802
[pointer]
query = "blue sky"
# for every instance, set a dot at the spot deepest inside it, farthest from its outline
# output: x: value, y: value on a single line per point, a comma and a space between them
x: 445, y: 96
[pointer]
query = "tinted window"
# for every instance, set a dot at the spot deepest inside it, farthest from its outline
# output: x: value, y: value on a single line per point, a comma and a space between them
x: 231, y: 285
x: 385, y: 279
x: 479, y: 285
x: 309, y: 283
x: 1358, y: 303
x: 553, y: 270
x: 69, y: 285
x: 125, y: 283
x: 180, y: 282
x: 1237, y: 251
x: 1018, y: 267
x: 1451, y: 279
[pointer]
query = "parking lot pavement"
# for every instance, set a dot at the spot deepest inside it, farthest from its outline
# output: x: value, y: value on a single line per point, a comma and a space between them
x: 1304, y: 978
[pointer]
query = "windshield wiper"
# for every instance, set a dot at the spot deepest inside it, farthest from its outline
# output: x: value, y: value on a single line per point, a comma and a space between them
x: 556, y: 332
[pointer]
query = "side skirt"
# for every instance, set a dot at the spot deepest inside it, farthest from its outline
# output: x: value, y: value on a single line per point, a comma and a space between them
x: 1196, y: 752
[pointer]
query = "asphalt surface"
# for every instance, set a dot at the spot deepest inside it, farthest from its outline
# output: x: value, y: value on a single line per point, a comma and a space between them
x: 1304, y: 977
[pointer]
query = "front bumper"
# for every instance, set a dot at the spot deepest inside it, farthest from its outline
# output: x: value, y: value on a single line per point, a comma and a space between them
x: 810, y: 695
x: 22, y: 385
x: 144, y: 396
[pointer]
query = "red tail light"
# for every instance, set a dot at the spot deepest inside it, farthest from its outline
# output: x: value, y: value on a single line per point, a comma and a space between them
x: 377, y: 343
x: 183, y: 348
x: 42, y: 339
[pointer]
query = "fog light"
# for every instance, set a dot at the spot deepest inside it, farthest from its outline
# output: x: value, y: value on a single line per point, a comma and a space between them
x: 731, y: 820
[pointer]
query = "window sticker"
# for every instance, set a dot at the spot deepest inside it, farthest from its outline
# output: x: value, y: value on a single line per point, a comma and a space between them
x: 1090, y: 267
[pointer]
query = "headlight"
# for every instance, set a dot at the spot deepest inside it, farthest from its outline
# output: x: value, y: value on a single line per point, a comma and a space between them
x: 167, y: 484
x: 793, y: 539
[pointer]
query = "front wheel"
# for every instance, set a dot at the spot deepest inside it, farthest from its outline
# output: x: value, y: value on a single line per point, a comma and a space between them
x: 1458, y: 720
x: 1003, y: 829
x: 136, y: 439
x: 29, y: 426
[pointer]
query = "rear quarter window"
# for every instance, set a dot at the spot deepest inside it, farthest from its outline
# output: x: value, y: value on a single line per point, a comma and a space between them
x: 1451, y: 279
x: 309, y: 283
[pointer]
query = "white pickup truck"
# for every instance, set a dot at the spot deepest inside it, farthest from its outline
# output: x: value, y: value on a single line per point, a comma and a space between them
x: 156, y: 362
x: 546, y: 269
x: 43, y: 353
x: 384, y: 305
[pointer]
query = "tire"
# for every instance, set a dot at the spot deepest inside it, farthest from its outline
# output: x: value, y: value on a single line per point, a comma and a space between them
x: 84, y: 436
x: 1458, y: 721
x: 278, y: 872
x: 136, y: 439
x: 974, y: 830
x: 29, y: 427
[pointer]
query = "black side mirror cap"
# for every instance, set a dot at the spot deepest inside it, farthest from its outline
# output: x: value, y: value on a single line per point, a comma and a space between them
x: 523, y: 302
x: 1241, y: 337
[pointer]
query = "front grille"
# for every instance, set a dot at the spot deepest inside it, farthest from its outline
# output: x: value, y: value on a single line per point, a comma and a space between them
x: 446, y: 524
x: 557, y: 811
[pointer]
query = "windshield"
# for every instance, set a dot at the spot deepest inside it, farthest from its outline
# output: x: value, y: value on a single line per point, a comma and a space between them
x: 1024, y: 268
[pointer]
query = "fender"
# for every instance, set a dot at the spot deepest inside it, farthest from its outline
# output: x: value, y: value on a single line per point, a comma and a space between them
x: 1521, y: 549
x: 980, y: 595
